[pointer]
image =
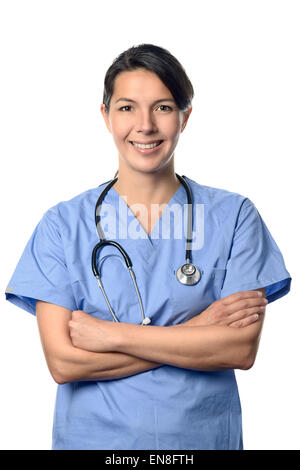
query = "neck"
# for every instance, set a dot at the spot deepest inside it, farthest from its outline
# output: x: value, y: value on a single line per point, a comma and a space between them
x: 147, y: 188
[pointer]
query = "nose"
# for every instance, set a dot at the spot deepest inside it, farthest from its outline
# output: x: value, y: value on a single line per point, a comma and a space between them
x: 145, y: 122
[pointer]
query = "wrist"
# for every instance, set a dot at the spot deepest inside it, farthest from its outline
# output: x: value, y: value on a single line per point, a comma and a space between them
x: 115, y: 339
x: 123, y: 331
x: 197, y: 320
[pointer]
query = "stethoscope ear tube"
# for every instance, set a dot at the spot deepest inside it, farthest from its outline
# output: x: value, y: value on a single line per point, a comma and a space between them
x: 98, y: 208
x: 99, y: 246
x: 145, y: 321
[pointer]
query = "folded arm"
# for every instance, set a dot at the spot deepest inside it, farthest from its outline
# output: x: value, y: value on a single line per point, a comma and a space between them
x: 130, y: 349
x: 194, y: 347
x: 67, y: 363
x: 214, y: 346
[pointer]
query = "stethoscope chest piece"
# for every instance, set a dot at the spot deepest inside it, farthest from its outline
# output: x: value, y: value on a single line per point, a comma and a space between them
x: 188, y: 274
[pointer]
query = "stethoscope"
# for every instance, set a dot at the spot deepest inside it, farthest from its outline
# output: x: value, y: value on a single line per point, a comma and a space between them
x: 187, y: 274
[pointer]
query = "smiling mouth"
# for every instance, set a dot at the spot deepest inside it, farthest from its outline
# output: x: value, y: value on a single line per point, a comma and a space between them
x: 150, y: 145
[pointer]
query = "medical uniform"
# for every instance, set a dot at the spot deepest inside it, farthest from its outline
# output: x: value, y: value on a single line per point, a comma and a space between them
x: 167, y: 407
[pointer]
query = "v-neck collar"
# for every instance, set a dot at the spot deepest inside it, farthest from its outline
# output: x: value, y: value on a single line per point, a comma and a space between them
x: 148, y: 236
x: 146, y: 244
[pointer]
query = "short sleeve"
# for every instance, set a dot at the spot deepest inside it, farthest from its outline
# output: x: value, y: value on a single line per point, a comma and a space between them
x: 41, y: 273
x: 255, y: 260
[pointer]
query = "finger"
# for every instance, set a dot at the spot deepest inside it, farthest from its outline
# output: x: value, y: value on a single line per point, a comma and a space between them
x: 244, y: 322
x: 248, y: 294
x: 245, y: 304
x: 243, y: 314
x: 78, y: 314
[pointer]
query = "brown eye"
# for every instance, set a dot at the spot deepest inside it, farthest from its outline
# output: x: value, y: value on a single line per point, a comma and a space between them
x: 127, y: 106
x: 165, y: 106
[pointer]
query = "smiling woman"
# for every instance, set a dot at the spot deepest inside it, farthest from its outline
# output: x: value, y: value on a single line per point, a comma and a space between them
x: 160, y: 96
x: 168, y: 383
x: 148, y: 127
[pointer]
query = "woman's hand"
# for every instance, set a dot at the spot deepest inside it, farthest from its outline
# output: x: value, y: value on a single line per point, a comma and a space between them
x: 92, y: 334
x: 236, y: 310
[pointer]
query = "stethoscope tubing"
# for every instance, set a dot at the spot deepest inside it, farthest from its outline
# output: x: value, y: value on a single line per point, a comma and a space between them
x: 108, y: 242
x: 188, y: 274
x: 189, y: 219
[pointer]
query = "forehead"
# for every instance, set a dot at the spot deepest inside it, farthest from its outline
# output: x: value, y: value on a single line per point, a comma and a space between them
x: 140, y: 83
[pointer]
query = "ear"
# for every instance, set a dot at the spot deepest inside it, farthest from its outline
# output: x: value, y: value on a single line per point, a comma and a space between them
x: 186, y: 116
x: 105, y: 116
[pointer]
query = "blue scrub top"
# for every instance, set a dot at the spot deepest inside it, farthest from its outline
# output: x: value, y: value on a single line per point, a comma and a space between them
x: 168, y: 407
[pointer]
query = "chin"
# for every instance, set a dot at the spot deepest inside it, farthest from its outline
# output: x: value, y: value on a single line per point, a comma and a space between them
x: 149, y: 167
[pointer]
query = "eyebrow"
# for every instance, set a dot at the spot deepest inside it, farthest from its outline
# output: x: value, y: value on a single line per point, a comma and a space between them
x: 157, y: 101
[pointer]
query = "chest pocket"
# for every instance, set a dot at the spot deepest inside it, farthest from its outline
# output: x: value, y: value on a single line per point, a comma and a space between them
x: 118, y: 287
x: 189, y: 301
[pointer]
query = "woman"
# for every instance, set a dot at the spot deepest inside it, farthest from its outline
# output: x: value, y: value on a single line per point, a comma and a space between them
x: 168, y: 383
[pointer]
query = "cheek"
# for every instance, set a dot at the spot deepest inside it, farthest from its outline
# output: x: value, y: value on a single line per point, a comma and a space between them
x: 171, y: 128
x: 120, y: 129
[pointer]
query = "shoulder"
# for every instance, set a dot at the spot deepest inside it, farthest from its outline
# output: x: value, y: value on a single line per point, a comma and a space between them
x: 219, y: 200
x: 80, y: 207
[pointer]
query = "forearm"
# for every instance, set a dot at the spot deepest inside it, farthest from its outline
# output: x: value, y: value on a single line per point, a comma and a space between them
x: 81, y: 365
x: 77, y: 364
x: 193, y: 347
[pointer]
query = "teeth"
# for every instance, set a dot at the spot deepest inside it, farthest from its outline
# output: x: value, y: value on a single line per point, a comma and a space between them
x: 148, y: 146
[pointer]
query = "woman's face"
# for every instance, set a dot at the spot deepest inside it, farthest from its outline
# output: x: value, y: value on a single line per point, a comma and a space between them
x: 143, y: 110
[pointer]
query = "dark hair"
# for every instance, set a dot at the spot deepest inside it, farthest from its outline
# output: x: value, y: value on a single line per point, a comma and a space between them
x: 157, y: 60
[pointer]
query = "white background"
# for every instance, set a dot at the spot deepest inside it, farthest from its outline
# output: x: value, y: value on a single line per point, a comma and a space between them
x: 243, y: 135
